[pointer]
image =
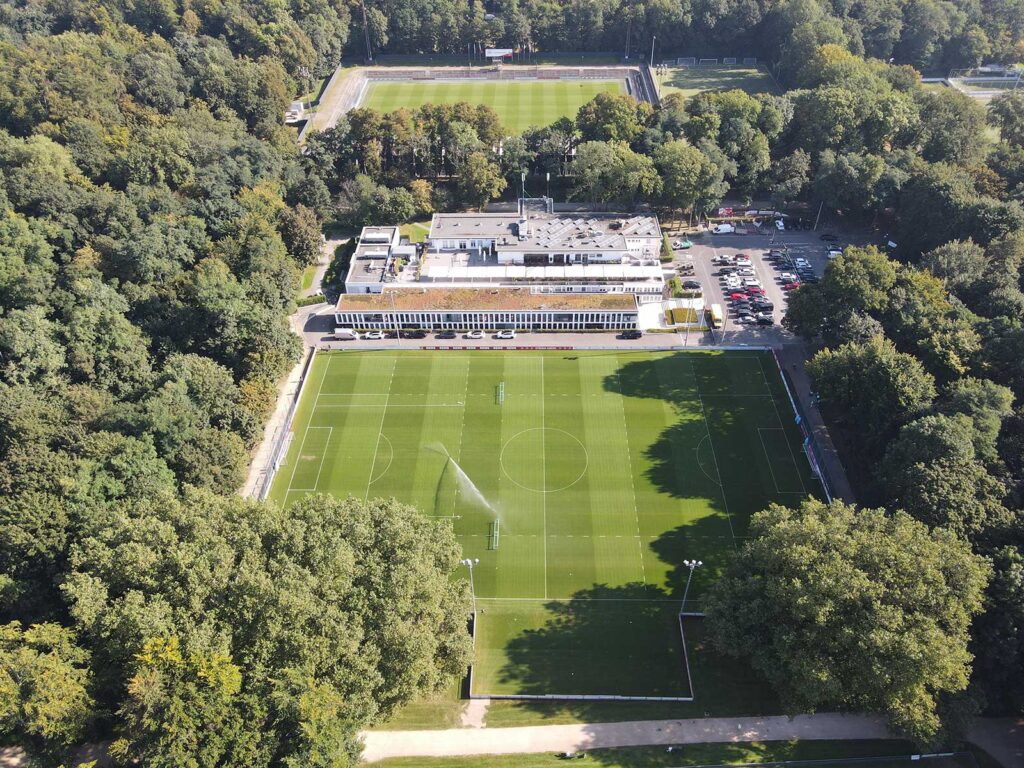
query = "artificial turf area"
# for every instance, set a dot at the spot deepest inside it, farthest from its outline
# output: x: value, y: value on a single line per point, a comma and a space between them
x: 519, y: 104
x: 690, y: 81
x: 601, y: 470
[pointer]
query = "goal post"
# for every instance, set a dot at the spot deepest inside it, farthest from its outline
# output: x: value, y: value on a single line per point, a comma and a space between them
x: 495, y: 532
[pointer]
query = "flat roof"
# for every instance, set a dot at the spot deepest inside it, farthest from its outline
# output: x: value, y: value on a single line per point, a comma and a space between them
x: 480, y: 299
x: 546, y: 231
x: 498, y: 272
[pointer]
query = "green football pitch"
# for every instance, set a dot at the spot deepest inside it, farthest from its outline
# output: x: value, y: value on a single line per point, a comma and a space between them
x: 690, y: 81
x: 519, y: 104
x: 581, y: 481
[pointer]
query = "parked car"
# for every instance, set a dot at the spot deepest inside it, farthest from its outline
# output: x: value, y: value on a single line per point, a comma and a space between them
x: 373, y: 335
x: 727, y: 270
x: 828, y: 237
x: 833, y: 252
x: 446, y: 335
x: 505, y: 335
x: 691, y: 285
x: 631, y: 335
x: 755, y: 291
x: 801, y: 262
x: 743, y: 261
x: 791, y: 286
x: 765, y: 320
x: 736, y: 295
x: 414, y: 334
x: 780, y: 225
x: 474, y: 335
x: 745, y: 320
x: 682, y: 245
x: 745, y: 271
x: 722, y: 258
x: 723, y: 229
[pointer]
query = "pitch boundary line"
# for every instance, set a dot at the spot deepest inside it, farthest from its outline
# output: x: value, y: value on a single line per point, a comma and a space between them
x: 380, y: 430
x: 632, y: 485
x: 778, y: 416
x: 544, y: 475
x: 295, y: 465
x: 462, y: 429
x: 302, y: 443
x: 803, y: 489
x: 714, y: 455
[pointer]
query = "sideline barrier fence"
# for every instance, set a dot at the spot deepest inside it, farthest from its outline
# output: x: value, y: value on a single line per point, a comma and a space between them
x: 281, y: 436
x: 810, y: 445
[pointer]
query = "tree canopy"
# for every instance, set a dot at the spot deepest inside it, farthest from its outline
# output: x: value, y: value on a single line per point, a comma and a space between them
x: 819, y: 595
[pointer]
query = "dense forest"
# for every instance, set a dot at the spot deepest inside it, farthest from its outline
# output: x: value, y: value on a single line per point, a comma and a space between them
x: 932, y: 35
x: 151, y: 240
x: 154, y: 220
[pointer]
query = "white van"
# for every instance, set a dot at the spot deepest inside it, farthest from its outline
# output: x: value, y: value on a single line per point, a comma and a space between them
x: 345, y: 334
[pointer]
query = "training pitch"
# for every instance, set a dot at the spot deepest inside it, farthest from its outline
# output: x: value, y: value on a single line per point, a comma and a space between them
x: 690, y: 81
x: 581, y: 481
x: 519, y: 104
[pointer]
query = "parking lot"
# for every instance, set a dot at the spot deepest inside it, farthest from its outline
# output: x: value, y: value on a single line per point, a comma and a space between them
x: 709, y: 248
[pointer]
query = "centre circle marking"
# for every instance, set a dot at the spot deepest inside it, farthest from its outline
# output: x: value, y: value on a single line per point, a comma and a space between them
x: 583, y: 471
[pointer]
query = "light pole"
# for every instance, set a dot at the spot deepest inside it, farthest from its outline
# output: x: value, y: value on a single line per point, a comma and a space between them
x: 653, y: 38
x: 692, y: 565
x: 469, y: 562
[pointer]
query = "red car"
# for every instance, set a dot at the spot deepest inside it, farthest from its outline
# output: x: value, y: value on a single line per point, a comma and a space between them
x: 755, y: 291
x: 736, y: 295
x: 791, y: 286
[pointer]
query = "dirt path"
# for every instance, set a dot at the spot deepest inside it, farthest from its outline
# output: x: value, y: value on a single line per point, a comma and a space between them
x: 570, y: 738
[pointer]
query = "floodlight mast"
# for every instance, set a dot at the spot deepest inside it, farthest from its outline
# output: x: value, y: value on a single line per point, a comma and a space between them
x: 469, y: 563
x: 692, y: 565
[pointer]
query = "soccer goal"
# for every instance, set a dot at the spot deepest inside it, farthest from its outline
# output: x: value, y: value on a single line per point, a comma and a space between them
x: 707, y: 62
x: 750, y: 61
x: 730, y: 61
x: 493, y: 536
x: 687, y: 61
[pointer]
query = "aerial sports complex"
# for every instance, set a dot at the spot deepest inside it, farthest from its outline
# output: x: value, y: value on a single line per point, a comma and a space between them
x: 579, y: 484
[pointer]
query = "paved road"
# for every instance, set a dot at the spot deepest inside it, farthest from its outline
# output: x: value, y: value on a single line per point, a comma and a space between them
x: 571, y: 738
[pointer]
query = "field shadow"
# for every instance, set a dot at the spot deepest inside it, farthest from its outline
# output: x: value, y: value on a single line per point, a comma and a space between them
x: 606, y: 652
x: 619, y: 640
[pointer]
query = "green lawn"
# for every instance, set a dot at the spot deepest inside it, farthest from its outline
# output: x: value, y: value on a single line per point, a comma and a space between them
x: 602, y: 470
x: 832, y: 754
x: 690, y: 81
x: 518, y: 104
x: 416, y: 231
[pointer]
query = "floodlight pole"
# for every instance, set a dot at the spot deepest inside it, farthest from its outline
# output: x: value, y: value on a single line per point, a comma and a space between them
x: 469, y: 563
x: 692, y: 565
x: 653, y: 38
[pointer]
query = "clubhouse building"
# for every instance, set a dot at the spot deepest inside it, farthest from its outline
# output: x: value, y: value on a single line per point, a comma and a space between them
x: 533, y: 269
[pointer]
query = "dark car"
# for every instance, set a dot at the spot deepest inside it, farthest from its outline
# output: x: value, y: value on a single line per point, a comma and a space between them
x: 763, y: 306
x: 631, y: 335
x: 828, y: 237
x: 765, y: 320
x: 414, y: 334
x: 446, y: 335
x: 744, y: 312
x: 727, y: 270
x: 691, y: 285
